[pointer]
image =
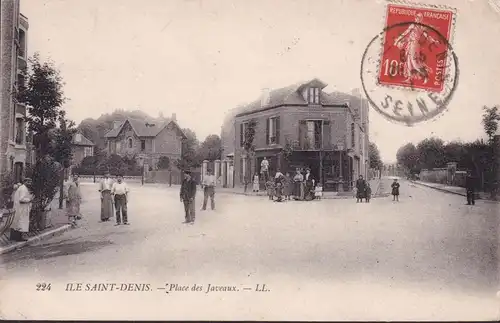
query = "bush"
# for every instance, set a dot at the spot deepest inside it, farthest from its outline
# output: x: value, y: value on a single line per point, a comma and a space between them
x: 44, y: 183
x: 8, y: 182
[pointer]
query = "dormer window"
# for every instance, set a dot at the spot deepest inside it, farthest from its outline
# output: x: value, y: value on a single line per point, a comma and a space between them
x: 313, y: 95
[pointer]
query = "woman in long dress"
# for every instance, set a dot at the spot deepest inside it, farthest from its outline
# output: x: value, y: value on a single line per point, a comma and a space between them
x: 106, y: 198
x: 298, y: 186
x: 22, y: 206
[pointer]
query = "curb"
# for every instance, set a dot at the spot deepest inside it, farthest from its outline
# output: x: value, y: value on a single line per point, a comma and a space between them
x: 438, y: 188
x: 341, y: 197
x: 456, y: 193
x: 44, y: 235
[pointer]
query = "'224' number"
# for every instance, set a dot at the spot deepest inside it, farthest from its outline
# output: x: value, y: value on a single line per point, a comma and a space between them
x: 42, y: 287
x: 393, y: 68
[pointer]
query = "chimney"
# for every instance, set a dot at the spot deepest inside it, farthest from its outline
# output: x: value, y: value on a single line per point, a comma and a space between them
x: 174, y: 117
x: 116, y: 124
x: 266, y: 98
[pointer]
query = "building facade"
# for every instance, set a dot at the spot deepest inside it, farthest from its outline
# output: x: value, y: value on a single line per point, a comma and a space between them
x: 301, y: 126
x: 146, y: 142
x: 14, y: 34
x: 81, y: 147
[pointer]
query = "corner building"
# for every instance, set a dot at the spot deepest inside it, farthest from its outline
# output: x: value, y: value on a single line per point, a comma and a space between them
x: 327, y: 132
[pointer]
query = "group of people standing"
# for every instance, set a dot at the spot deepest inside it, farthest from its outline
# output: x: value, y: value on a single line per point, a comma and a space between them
x: 114, y: 195
x: 300, y: 187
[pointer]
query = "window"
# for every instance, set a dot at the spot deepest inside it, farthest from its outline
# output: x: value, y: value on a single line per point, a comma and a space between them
x: 143, y: 145
x: 87, y: 151
x: 273, y: 131
x: 130, y: 143
x: 353, y: 136
x: 313, y: 95
x: 243, y: 129
x: 19, y: 131
x: 78, y: 137
x: 22, y: 43
x: 311, y: 134
x: 118, y: 146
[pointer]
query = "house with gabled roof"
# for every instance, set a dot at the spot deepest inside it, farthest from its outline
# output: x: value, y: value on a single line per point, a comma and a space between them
x: 81, y: 147
x: 146, y: 141
x: 301, y: 126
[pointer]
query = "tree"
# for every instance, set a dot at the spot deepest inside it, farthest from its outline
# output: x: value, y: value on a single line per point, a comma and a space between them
x: 190, y: 147
x: 43, y: 94
x: 431, y: 153
x: 163, y: 162
x: 491, y: 116
x: 249, y: 147
x: 407, y: 156
x: 210, y: 149
x: 374, y: 155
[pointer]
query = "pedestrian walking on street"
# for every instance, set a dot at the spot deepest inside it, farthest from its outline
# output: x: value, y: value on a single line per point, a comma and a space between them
x: 187, y: 195
x: 106, y: 198
x: 73, y: 200
x: 256, y: 183
x: 360, y: 189
x: 120, y: 193
x: 395, y: 190
x: 22, y: 206
x: 208, y: 185
x: 470, y: 188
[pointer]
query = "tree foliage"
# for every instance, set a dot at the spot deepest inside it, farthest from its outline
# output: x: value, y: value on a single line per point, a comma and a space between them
x: 407, y: 156
x: 374, y: 155
x: 190, y: 145
x: 490, y: 119
x: 43, y: 94
x: 210, y: 149
x: 63, y: 140
x: 163, y: 162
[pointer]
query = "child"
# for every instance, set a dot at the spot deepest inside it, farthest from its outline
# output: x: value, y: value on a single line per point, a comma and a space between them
x: 318, y: 191
x: 395, y: 190
x: 270, y: 189
x: 256, y: 182
x: 368, y: 193
x: 279, y: 191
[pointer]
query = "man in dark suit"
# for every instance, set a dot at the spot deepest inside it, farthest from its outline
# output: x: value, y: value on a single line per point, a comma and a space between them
x: 470, y: 188
x: 187, y: 195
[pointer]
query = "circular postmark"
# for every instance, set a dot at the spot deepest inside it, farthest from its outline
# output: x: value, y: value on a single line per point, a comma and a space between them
x: 412, y: 76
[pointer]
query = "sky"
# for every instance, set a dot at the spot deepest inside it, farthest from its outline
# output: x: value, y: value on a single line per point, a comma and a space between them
x: 200, y: 58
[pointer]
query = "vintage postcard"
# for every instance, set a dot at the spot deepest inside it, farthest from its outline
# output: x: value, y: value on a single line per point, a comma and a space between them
x: 258, y: 160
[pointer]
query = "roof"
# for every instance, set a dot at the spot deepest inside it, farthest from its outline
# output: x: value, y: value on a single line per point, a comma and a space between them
x: 84, y: 141
x: 291, y: 95
x: 142, y: 128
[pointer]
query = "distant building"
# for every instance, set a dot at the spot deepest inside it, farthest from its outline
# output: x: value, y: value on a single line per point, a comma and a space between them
x: 81, y: 147
x: 12, y: 114
x: 146, y: 142
x: 327, y: 132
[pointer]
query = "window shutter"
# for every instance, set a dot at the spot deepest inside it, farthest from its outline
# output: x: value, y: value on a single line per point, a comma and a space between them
x: 241, y: 135
x: 277, y: 127
x: 327, y: 134
x: 267, y: 131
x: 302, y: 133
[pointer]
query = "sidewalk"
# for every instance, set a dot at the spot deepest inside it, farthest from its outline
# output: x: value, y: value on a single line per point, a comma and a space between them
x: 454, y: 190
x: 58, y: 223
x: 375, y: 185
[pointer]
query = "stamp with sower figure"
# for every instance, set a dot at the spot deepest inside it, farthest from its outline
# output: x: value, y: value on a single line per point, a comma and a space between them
x: 409, y: 71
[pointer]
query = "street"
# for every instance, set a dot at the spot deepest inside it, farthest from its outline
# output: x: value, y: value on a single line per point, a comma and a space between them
x: 428, y: 257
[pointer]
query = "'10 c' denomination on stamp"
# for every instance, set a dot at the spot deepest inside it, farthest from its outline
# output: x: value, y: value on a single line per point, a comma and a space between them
x: 413, y: 74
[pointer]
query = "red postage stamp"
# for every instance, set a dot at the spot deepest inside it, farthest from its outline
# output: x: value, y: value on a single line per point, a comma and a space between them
x: 414, y: 51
